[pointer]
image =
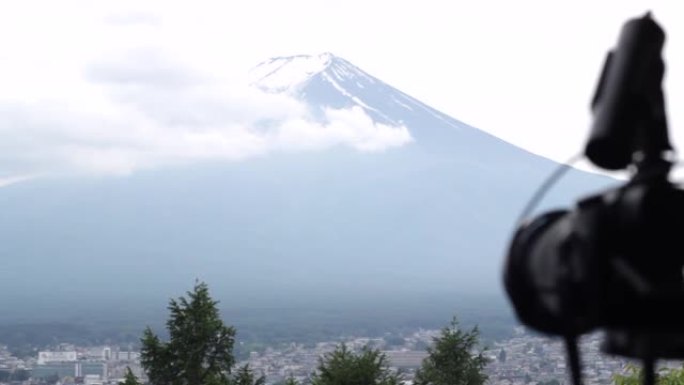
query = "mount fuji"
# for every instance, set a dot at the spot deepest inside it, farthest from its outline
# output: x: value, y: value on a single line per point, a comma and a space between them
x: 426, y: 219
x: 326, y: 81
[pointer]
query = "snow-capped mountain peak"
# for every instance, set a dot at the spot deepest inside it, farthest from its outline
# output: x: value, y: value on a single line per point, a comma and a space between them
x: 287, y: 73
x: 328, y: 81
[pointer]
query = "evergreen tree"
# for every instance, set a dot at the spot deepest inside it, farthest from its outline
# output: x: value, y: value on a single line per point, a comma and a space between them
x: 451, y: 359
x: 289, y: 381
x: 245, y: 376
x: 130, y: 378
x: 344, y: 367
x: 200, y: 346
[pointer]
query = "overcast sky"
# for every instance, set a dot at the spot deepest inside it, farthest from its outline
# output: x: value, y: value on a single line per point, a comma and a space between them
x: 105, y: 87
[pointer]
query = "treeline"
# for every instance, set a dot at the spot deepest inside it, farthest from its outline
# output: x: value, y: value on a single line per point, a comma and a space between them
x: 24, y: 340
x: 260, y: 328
x: 18, y: 375
x: 309, y: 326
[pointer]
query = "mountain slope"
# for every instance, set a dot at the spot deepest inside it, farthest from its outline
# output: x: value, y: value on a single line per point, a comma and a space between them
x: 327, y: 81
x: 431, y: 218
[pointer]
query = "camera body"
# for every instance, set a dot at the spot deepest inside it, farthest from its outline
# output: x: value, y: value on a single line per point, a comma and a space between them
x: 615, y: 261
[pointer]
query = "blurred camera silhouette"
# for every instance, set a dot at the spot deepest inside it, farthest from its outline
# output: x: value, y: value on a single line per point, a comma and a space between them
x: 613, y: 262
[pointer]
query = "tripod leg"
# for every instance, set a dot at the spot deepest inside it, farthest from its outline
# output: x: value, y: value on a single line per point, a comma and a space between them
x: 649, y: 371
x: 574, y: 359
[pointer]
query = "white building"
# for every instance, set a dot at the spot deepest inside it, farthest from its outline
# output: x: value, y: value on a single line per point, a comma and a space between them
x: 49, y: 357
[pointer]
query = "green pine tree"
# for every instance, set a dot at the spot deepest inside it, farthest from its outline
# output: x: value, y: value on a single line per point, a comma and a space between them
x: 452, y: 359
x: 245, y: 376
x: 130, y: 378
x: 200, y: 346
x: 344, y: 367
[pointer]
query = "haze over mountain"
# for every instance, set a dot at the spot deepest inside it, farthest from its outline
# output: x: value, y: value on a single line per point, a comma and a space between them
x: 420, y: 207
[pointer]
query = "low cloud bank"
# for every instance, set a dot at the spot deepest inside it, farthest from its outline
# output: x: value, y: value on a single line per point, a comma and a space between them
x: 142, y: 110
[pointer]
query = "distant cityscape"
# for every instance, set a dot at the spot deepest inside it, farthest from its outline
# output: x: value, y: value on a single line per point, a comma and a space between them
x: 521, y: 360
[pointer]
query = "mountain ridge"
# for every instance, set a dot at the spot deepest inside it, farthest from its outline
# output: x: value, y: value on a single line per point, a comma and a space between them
x: 295, y: 74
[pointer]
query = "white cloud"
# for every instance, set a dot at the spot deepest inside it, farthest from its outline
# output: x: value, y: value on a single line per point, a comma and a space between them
x: 143, y: 110
x: 350, y: 127
x: 15, y: 179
